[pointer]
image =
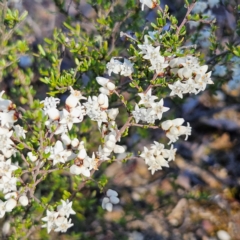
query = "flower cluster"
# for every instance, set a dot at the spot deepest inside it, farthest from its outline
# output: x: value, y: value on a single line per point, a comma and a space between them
x: 59, y: 220
x: 117, y: 67
x: 174, y: 129
x: 157, y: 156
x: 110, y: 199
x: 193, y: 78
x: 62, y: 121
x: 158, y: 62
x: 8, y: 182
x: 152, y: 110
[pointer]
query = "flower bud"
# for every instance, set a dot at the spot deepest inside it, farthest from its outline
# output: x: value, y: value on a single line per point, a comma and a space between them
x: 101, y: 99
x: 23, y: 200
x: 110, y: 86
x: 53, y: 114
x: 75, y: 143
x: 32, y: 157
x: 71, y: 101
x: 104, y: 90
x: 102, y: 81
x: 66, y: 139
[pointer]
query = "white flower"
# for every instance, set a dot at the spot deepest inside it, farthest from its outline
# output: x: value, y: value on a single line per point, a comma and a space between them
x: 5, y: 104
x: 102, y: 155
x: 95, y: 111
x: 158, y: 157
x: 50, y: 219
x: 177, y: 89
x: 158, y: 109
x: 59, y: 154
x: 19, y: 131
x: 82, y: 164
x: 8, y: 184
x: 65, y: 209
x: 6, y: 168
x: 111, y: 199
x: 69, y: 119
x: 8, y: 118
x: 147, y: 155
x: 126, y: 68
x: 159, y: 65
x: 146, y: 98
x: 50, y: 103
x: 114, y: 66
x: 148, y: 3
x: 62, y: 224
x: 5, y: 141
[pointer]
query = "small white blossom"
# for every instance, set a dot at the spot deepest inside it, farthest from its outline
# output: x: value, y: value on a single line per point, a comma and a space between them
x: 114, y: 66
x: 126, y: 68
x: 8, y: 184
x: 5, y: 104
x: 65, y: 209
x: 19, y: 131
x: 63, y: 224
x: 23, y: 200
x: 146, y: 98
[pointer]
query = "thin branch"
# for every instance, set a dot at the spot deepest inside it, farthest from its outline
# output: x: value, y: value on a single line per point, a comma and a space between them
x: 189, y: 9
x: 124, y: 127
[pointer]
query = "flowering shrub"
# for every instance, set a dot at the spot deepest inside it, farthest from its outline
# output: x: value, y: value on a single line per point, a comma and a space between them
x: 123, y: 90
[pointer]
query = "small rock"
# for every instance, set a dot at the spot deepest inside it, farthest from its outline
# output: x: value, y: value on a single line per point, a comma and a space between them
x: 176, y: 217
x: 223, y: 235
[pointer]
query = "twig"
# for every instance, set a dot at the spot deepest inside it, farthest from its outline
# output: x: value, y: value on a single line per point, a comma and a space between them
x: 143, y: 126
x: 124, y: 127
x: 190, y: 8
